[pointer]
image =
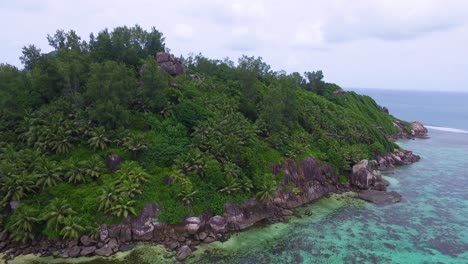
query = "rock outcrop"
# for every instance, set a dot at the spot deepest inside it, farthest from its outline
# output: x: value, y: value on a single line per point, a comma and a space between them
x: 192, y: 224
x: 169, y: 63
x: 418, y: 129
x: 309, y: 179
x: 304, y: 181
x: 380, y: 197
x: 396, y: 158
x: 415, y: 130
x: 363, y: 177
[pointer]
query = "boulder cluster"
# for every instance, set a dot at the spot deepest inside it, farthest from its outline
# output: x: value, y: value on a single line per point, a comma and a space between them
x: 371, y: 186
x: 169, y: 63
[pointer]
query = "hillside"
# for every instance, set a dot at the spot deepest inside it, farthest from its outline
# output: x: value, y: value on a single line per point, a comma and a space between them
x: 93, y: 131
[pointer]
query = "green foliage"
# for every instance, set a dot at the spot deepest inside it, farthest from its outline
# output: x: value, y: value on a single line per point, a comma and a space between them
x: 191, y: 143
x: 22, y: 224
x: 71, y: 228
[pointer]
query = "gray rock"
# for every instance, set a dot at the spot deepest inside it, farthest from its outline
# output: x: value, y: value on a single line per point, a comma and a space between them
x: 418, y: 130
x: 169, y: 63
x: 3, y: 236
x: 103, y: 233
x: 74, y: 252
x: 113, y: 162
x: 3, y: 245
x: 183, y: 253
x: 286, y: 212
x: 105, y: 251
x: 209, y: 239
x: 202, y: 236
x: 113, y: 244
x: 173, y: 245
x: 87, y: 241
x: 14, y: 205
x: 380, y: 197
x: 72, y: 243
x: 142, y: 226
x: 86, y: 251
x: 127, y: 247
x: 192, y: 224
x: 123, y: 232
x: 218, y: 224
x: 361, y: 176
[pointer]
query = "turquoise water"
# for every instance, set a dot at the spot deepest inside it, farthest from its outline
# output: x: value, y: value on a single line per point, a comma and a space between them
x: 430, y: 225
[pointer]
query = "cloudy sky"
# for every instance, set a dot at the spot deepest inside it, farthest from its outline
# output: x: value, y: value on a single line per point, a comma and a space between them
x: 390, y: 44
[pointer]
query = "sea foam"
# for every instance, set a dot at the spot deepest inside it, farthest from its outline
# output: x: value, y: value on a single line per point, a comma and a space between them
x: 448, y: 129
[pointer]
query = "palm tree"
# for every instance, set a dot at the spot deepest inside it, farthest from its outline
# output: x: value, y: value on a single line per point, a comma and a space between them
x: 58, y: 211
x: 99, y: 140
x: 71, y: 228
x: 267, y: 189
x: 16, y: 186
x: 23, y: 226
x: 247, y: 184
x: 187, y: 196
x: 75, y: 175
x: 93, y: 168
x: 62, y: 144
x: 123, y: 208
x: 129, y: 188
x: 49, y: 173
x: 108, y: 198
x: 231, y: 185
x: 134, y: 144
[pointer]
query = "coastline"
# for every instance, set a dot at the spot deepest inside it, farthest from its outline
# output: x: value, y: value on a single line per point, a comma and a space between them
x: 314, y: 179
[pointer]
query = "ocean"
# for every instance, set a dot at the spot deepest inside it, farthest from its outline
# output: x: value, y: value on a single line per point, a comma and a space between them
x: 430, y: 225
x: 439, y: 109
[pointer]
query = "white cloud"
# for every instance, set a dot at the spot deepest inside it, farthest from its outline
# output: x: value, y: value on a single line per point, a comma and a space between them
x: 345, y: 38
x: 183, y: 31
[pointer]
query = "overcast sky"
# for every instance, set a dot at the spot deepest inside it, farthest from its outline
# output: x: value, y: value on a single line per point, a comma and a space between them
x: 393, y: 44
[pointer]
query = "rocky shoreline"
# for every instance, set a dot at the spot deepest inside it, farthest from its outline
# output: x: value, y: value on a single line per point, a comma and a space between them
x: 312, y: 179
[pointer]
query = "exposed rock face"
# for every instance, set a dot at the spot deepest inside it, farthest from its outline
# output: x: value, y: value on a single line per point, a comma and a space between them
x: 86, y: 241
x: 192, y: 224
x: 169, y: 63
x: 104, y: 251
x: 380, y: 197
x: 183, y: 253
x: 242, y: 217
x: 418, y: 130
x: 339, y: 92
x: 113, y: 162
x: 86, y: 251
x: 385, y: 109
x: 3, y: 235
x: 312, y: 178
x: 71, y: 252
x: 363, y: 177
x: 123, y: 232
x: 218, y: 224
x: 142, y: 226
x: 396, y: 158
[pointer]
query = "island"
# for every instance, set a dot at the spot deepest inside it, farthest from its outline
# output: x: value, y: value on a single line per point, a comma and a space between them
x: 113, y: 140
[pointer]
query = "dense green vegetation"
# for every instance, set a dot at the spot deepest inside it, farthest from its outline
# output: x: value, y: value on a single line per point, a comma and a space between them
x: 190, y: 147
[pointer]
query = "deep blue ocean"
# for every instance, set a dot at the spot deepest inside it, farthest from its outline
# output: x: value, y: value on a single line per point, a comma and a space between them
x: 442, y: 109
x: 430, y: 225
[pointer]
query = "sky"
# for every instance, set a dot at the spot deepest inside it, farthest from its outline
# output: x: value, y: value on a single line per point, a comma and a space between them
x: 386, y: 44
